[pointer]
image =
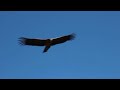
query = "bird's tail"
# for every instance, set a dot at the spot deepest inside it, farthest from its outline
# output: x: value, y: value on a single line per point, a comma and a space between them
x: 46, y: 48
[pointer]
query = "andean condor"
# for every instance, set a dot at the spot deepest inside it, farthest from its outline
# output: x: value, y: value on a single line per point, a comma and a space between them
x: 46, y: 42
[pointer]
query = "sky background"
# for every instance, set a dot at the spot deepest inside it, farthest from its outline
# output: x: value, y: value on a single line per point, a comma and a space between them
x: 93, y: 54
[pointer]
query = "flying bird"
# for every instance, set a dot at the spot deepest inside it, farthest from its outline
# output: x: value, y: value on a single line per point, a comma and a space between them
x: 46, y: 42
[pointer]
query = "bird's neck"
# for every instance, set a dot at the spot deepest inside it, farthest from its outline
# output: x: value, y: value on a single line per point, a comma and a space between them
x: 48, y: 42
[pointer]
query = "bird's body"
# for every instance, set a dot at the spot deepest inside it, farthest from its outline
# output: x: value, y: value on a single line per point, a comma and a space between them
x: 46, y: 42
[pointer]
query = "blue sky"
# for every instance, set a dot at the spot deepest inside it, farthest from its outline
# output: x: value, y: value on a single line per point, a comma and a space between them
x: 93, y: 54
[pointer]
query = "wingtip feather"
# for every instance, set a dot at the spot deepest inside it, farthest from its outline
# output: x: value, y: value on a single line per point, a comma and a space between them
x: 72, y: 36
x: 21, y: 40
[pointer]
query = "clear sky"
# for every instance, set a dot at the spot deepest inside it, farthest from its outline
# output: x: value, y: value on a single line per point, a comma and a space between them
x: 93, y: 54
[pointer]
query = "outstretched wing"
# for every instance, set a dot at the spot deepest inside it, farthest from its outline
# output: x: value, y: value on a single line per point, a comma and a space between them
x: 63, y: 39
x: 32, y: 42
